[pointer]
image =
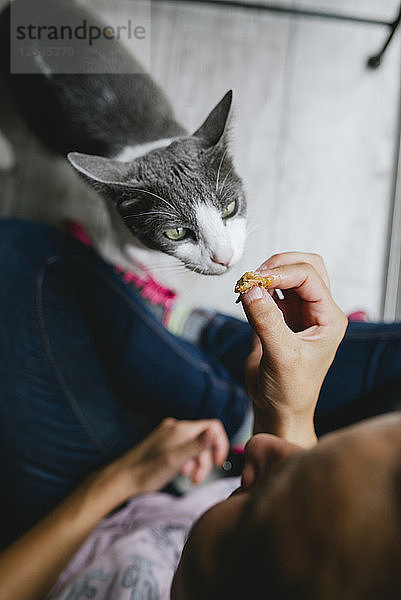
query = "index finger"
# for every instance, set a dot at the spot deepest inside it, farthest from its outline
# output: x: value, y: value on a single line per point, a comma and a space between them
x: 308, y: 285
x: 288, y: 258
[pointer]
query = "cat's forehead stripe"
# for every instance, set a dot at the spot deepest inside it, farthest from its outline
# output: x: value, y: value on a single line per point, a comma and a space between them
x: 209, y: 220
x: 224, y: 239
x: 132, y: 152
x: 214, y: 232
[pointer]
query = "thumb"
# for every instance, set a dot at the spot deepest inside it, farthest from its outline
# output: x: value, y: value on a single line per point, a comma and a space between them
x: 256, y: 344
x: 265, y: 318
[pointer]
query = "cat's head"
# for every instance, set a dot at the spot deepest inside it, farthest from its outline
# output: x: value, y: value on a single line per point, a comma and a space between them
x: 184, y: 199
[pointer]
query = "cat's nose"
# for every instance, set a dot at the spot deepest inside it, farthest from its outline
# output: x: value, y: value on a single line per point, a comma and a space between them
x: 223, y: 258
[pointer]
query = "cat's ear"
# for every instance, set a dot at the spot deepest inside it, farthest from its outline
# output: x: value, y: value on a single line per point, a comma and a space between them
x: 213, y: 129
x: 100, y: 170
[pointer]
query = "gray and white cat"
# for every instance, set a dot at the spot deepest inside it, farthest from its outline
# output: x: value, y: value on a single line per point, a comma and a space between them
x: 167, y: 190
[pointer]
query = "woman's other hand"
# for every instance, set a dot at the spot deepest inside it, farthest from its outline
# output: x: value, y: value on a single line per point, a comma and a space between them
x: 187, y: 447
x: 30, y: 567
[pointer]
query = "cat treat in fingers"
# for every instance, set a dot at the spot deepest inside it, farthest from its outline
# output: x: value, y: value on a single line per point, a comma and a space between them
x: 251, y: 279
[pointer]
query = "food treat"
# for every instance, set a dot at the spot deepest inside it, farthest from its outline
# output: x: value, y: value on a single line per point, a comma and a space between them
x: 250, y: 280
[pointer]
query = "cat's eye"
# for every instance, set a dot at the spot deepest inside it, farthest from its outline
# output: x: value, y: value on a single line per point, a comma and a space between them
x: 229, y: 210
x: 176, y: 234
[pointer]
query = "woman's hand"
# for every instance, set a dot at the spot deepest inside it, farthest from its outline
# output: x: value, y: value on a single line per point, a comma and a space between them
x: 30, y: 567
x: 295, y: 343
x: 187, y: 447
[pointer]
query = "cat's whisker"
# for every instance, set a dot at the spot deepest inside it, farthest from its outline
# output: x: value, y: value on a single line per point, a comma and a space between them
x: 226, y: 194
x: 155, y: 195
x: 250, y: 236
x: 163, y: 260
x: 225, y: 179
x: 165, y: 267
x: 254, y: 227
x: 197, y: 270
x: 250, y: 226
x: 219, y: 169
x: 251, y: 229
x: 252, y: 240
x: 253, y: 221
x: 146, y: 214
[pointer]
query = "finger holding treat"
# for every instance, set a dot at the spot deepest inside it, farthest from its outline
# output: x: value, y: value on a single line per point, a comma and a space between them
x: 285, y: 379
x: 313, y: 302
x: 290, y: 258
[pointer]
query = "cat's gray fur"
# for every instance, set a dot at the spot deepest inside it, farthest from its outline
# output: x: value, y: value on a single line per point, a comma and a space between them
x: 179, y: 182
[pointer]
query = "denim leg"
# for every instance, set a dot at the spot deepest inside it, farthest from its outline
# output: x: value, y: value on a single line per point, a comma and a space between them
x: 59, y: 419
x: 363, y: 381
x: 86, y: 370
x: 365, y: 377
x: 229, y: 341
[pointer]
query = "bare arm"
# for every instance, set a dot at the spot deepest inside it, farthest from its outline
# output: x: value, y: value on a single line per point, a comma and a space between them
x: 31, y: 566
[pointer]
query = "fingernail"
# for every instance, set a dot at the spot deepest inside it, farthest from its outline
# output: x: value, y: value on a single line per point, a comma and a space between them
x: 255, y: 293
x: 264, y: 270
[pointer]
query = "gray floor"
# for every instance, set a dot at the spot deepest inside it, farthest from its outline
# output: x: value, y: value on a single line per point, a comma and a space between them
x: 314, y: 138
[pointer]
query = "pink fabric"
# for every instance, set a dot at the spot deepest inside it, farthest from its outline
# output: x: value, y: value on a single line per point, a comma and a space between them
x: 358, y: 315
x: 147, y: 286
x: 78, y: 231
x: 150, y: 289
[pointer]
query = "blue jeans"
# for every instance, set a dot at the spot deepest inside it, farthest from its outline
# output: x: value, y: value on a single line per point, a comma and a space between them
x: 86, y: 371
